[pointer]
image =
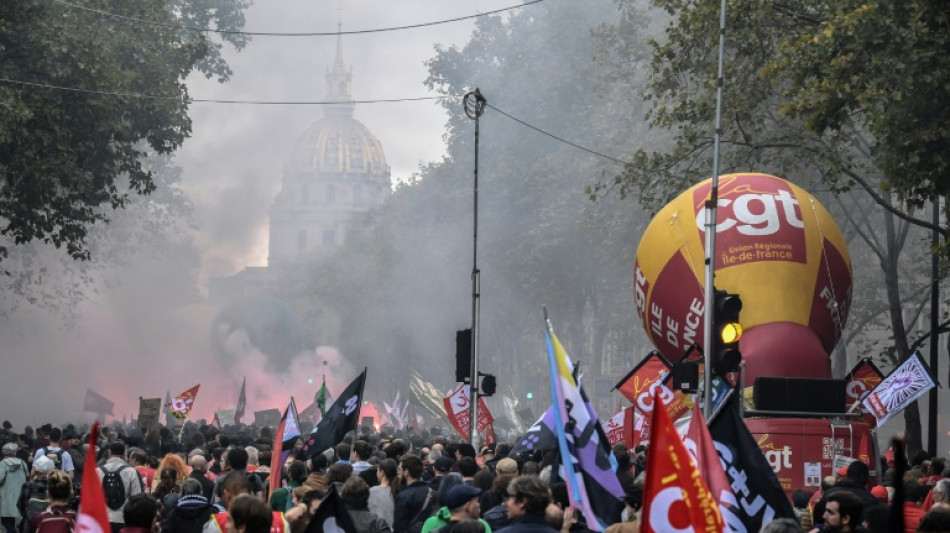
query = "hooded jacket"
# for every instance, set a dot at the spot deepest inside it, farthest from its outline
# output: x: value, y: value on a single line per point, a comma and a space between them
x: 189, y: 515
x: 12, y: 478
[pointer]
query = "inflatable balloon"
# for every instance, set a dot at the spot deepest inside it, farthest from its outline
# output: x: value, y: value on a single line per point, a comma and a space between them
x: 776, y: 247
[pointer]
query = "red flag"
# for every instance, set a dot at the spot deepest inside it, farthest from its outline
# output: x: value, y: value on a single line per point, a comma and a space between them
x: 700, y: 443
x: 93, y: 516
x: 637, y: 386
x: 216, y: 422
x: 241, y: 404
x: 181, y: 405
x: 457, y: 409
x: 675, y: 496
x: 276, y: 457
x: 862, y: 378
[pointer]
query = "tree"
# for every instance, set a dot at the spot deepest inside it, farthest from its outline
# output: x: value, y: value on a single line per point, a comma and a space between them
x: 808, y: 89
x: 74, y: 124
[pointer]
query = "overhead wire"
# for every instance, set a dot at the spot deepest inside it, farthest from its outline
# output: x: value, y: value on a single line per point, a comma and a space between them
x: 302, y: 102
x: 292, y: 34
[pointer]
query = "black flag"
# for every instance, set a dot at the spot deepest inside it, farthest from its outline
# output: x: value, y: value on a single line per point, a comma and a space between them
x: 759, y: 495
x: 331, y: 516
x: 341, y: 417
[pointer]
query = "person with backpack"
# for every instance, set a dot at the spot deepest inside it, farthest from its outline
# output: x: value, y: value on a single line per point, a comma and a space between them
x: 61, y: 458
x: 33, y: 496
x: 281, y: 499
x: 12, y: 479
x: 191, y: 512
x: 58, y: 517
x: 119, y: 483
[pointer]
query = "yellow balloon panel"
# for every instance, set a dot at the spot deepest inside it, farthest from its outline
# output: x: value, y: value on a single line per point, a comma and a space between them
x: 776, y: 246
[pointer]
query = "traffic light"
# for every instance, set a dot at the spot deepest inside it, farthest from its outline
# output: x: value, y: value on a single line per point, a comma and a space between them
x: 463, y: 355
x: 726, y: 332
x: 488, y: 385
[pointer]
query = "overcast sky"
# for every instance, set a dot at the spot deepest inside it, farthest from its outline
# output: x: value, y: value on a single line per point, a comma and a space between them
x: 234, y: 160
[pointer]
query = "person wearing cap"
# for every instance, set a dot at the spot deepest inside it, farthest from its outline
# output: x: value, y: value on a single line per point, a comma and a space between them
x: 443, y: 465
x: 460, y: 503
x: 12, y: 478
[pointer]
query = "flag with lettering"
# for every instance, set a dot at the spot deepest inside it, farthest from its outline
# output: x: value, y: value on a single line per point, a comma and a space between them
x: 241, y: 404
x: 622, y: 428
x: 588, y: 467
x: 458, y: 407
x: 182, y: 404
x: 759, y: 495
x: 93, y: 516
x: 637, y: 385
x: 700, y: 444
x: 675, y: 495
x: 862, y: 379
x: 341, y: 417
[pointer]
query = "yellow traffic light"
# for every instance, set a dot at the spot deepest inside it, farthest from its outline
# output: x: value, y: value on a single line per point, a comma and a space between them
x: 731, y: 332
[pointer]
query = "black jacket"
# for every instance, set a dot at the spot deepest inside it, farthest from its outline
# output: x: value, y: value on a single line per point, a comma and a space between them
x: 528, y: 524
x: 207, y: 486
x: 188, y: 516
x: 409, y: 503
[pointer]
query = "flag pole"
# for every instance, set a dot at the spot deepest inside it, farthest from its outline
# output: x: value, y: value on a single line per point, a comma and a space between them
x: 474, y: 104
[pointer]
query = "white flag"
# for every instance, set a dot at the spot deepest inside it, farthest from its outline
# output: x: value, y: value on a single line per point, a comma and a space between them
x: 899, y: 389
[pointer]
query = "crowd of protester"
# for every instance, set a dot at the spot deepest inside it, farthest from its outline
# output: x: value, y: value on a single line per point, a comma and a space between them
x: 200, y: 479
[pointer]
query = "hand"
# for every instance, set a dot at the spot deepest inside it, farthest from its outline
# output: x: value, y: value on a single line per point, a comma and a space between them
x: 569, y: 519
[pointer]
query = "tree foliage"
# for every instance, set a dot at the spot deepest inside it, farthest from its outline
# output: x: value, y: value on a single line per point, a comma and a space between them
x: 74, y: 126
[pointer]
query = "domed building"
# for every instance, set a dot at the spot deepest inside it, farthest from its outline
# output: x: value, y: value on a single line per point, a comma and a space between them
x: 336, y: 175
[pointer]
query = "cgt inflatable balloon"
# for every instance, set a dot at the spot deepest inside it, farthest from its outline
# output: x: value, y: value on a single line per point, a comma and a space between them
x: 776, y: 247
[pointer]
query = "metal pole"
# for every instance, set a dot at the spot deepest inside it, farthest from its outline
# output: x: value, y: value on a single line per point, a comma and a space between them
x: 474, y: 108
x: 711, y: 205
x: 934, y: 330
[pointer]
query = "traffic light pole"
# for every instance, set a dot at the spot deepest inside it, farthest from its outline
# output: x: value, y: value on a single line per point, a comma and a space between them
x: 474, y: 104
x: 711, y: 205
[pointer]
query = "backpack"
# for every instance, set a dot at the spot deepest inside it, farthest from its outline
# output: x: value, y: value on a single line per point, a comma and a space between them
x: 113, y: 487
x: 56, y: 521
x: 33, y: 501
x: 55, y: 456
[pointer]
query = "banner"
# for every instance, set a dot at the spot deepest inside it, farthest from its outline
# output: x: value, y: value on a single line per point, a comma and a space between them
x: 637, y: 385
x: 97, y: 403
x: 899, y: 389
x: 457, y: 407
x: 227, y: 417
x: 267, y: 417
x: 759, y: 495
x: 675, y: 496
x: 149, y: 408
x: 182, y: 404
x: 341, y: 417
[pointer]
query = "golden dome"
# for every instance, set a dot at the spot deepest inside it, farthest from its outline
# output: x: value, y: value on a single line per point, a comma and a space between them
x: 339, y: 143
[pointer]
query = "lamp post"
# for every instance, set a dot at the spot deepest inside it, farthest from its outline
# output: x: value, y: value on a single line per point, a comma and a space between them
x: 474, y: 104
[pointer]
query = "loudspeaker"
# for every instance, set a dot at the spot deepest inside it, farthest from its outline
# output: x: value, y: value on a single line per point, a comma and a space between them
x: 684, y: 376
x: 463, y: 355
x: 810, y: 395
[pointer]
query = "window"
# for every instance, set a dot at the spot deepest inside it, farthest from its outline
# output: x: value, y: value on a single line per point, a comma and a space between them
x: 305, y: 195
x: 357, y: 194
x: 331, y: 194
x: 301, y: 241
x: 329, y: 237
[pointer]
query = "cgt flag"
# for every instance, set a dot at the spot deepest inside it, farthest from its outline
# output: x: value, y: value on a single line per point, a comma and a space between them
x: 700, y: 444
x: 97, y: 403
x: 757, y: 491
x: 675, y: 495
x: 341, y: 417
x: 181, y: 405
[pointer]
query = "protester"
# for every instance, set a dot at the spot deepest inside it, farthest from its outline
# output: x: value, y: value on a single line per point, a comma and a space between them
x: 199, y: 472
x: 126, y: 482
x: 58, y: 517
x: 13, y: 472
x: 61, y: 459
x: 527, y: 501
x: 355, y: 496
x: 459, y: 503
x: 842, y: 512
x: 381, y: 496
x: 191, y: 512
x: 282, y: 498
x: 138, y: 514
x: 248, y: 514
x: 414, y: 503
